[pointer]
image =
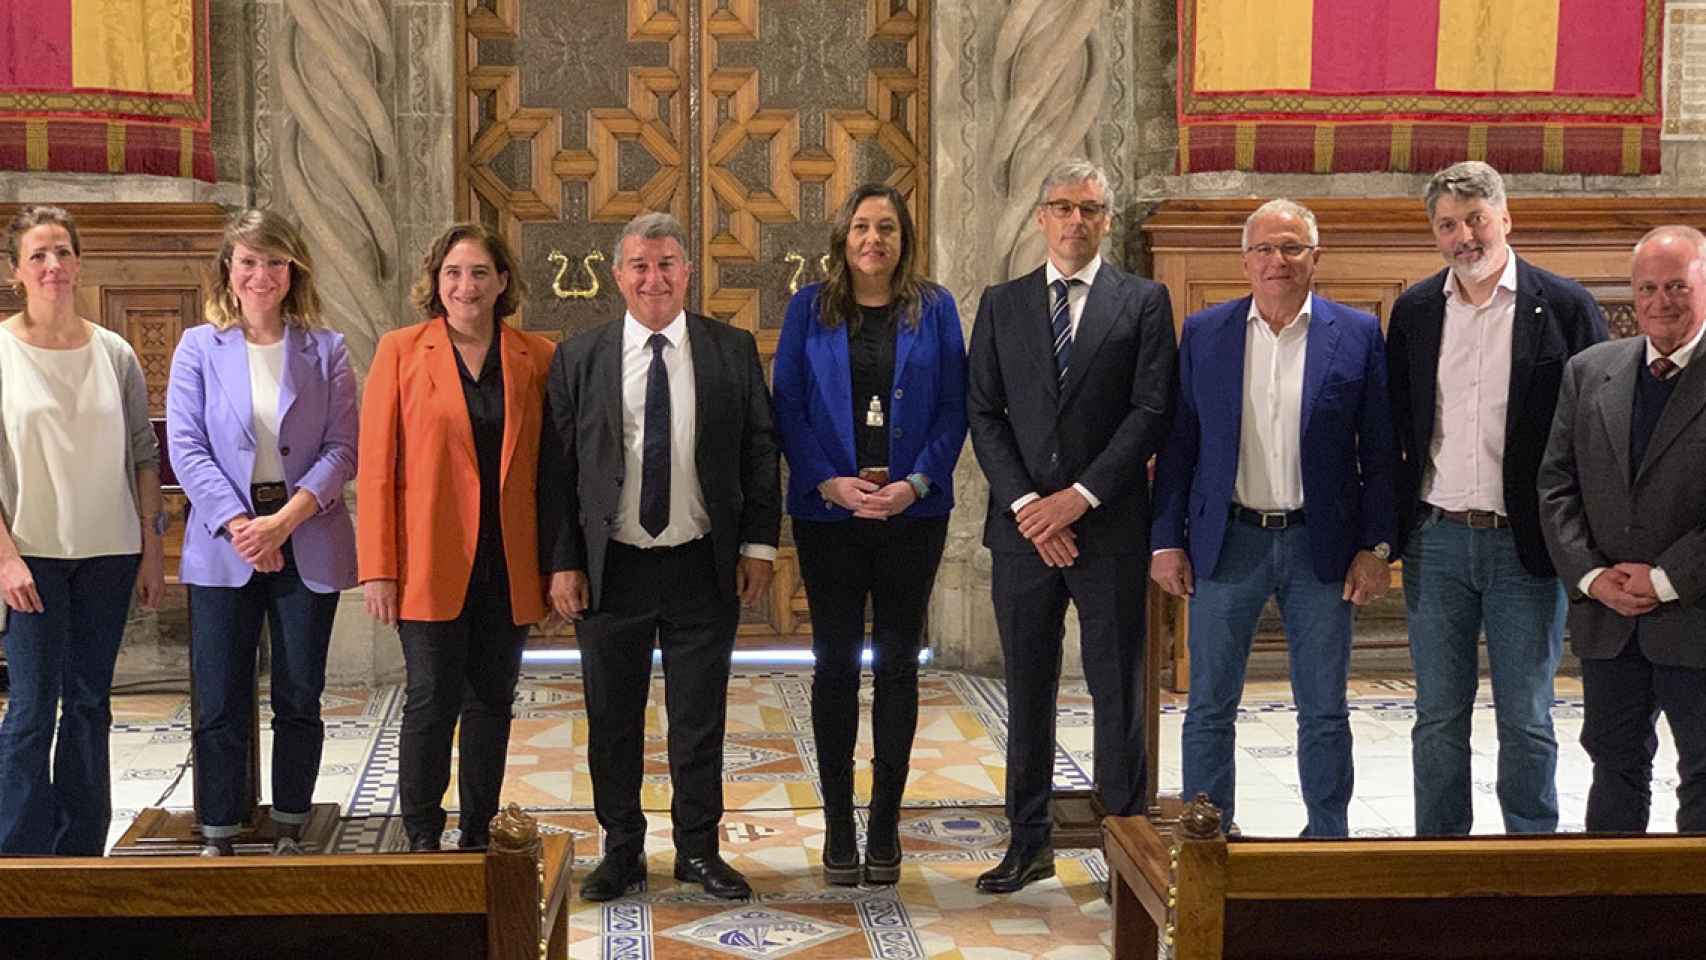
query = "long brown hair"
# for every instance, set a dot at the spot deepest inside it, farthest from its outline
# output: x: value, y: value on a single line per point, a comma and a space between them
x: 424, y: 294
x: 835, y: 303
x: 264, y: 232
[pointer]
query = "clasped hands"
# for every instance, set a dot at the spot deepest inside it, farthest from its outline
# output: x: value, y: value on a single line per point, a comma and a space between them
x: 868, y: 500
x: 1626, y: 588
x: 259, y: 541
x: 1047, y: 523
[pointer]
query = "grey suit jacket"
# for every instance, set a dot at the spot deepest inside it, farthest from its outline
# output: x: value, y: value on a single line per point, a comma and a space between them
x: 1593, y: 514
x: 582, y: 473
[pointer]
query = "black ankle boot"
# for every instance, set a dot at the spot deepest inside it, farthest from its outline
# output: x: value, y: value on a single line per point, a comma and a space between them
x: 840, y: 851
x: 882, y: 833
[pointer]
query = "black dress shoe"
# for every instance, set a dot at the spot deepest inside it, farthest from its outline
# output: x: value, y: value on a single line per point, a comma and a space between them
x: 1023, y: 864
x: 617, y: 875
x: 424, y: 843
x: 474, y: 841
x: 718, y: 878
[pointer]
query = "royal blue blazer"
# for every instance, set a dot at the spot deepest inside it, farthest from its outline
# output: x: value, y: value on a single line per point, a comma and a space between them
x: 813, y: 389
x: 1347, y: 446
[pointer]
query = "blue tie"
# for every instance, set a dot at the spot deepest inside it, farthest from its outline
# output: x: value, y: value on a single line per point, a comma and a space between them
x: 654, y: 460
x: 1060, y: 321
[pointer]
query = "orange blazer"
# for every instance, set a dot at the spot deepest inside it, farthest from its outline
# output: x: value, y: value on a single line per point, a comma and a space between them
x: 418, y: 484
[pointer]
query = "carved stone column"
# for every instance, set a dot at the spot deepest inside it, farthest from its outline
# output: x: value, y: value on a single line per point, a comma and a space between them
x: 352, y: 134
x: 1018, y: 85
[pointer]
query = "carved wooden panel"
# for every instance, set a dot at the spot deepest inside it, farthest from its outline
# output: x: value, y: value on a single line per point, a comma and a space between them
x: 750, y: 120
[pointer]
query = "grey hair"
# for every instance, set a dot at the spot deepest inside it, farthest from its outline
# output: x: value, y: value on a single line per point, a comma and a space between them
x: 1077, y: 170
x: 655, y: 225
x: 1680, y: 231
x: 1283, y: 207
x: 1469, y: 180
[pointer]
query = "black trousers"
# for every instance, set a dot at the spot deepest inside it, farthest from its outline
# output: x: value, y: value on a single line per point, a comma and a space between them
x: 669, y: 597
x: 464, y: 668
x: 1030, y: 615
x: 893, y: 562
x: 1622, y: 698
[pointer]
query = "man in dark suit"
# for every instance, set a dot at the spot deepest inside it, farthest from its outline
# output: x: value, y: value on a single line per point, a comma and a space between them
x: 1623, y: 514
x: 1071, y: 370
x: 666, y: 477
x: 1475, y: 353
x: 1276, y: 481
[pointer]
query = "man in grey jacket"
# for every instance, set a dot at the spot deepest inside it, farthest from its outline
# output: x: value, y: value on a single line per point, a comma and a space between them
x: 1625, y: 521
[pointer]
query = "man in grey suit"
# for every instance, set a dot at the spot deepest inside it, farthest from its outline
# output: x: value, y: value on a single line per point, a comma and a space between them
x: 1625, y: 521
x: 664, y: 473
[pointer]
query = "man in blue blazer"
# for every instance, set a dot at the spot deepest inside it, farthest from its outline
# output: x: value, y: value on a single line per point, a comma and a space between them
x: 1276, y: 481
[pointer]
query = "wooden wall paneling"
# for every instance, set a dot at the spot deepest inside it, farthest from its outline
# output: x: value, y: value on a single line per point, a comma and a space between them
x: 1372, y: 249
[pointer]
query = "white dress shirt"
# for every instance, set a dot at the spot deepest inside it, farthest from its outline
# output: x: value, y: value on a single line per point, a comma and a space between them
x: 1661, y: 580
x: 1270, y: 436
x: 1076, y: 295
x: 1466, y: 455
x: 688, y: 518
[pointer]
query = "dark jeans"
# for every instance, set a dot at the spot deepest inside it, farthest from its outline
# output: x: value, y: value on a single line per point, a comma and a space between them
x: 1621, y: 699
x: 62, y: 658
x: 464, y: 668
x: 893, y: 562
x: 668, y: 597
x: 225, y: 630
x: 1030, y: 615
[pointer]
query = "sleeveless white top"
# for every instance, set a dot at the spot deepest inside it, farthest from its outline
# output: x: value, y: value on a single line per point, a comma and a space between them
x: 64, y: 419
x: 266, y: 372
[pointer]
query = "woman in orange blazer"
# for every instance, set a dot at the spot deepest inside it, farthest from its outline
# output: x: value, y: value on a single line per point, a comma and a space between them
x: 447, y: 520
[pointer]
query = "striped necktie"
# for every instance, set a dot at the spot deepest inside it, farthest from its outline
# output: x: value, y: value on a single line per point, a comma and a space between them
x: 1060, y: 321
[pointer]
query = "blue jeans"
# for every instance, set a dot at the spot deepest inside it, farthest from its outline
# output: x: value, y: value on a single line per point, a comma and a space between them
x: 62, y: 658
x: 225, y: 629
x: 1254, y: 565
x: 1457, y: 582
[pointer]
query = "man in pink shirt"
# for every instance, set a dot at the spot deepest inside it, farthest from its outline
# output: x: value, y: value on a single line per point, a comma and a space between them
x: 1474, y: 355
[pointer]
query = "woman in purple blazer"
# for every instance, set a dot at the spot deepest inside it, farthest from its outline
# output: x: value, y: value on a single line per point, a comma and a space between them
x: 261, y: 428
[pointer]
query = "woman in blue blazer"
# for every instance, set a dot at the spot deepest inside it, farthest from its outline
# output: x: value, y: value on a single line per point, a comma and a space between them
x: 261, y: 427
x: 870, y: 383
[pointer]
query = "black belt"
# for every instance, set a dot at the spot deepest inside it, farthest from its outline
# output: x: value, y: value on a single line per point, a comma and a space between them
x: 268, y: 498
x: 1267, y: 519
x: 696, y: 543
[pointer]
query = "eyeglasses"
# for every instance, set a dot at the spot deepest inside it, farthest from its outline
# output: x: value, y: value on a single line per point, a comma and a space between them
x: 1062, y: 209
x: 1290, y: 251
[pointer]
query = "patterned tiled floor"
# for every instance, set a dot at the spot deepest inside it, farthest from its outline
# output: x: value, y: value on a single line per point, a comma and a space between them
x: 774, y: 826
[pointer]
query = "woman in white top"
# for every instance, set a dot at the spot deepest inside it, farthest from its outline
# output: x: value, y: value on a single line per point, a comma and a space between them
x: 261, y: 428
x: 80, y: 494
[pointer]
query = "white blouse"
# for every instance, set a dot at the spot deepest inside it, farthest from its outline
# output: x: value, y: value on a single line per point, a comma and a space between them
x: 266, y: 372
x: 63, y: 415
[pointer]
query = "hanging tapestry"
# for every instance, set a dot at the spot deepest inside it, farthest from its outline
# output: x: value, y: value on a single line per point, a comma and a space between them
x: 1332, y: 86
x: 105, y: 86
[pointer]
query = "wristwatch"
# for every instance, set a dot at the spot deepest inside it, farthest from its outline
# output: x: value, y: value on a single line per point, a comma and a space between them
x: 1381, y: 550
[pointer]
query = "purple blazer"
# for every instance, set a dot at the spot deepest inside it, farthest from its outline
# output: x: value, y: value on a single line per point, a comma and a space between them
x: 211, y: 442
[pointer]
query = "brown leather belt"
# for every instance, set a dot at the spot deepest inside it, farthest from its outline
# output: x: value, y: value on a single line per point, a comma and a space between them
x: 1475, y: 519
x: 876, y: 475
x: 269, y: 498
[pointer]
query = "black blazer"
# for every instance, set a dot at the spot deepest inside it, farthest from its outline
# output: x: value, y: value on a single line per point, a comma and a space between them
x: 1099, y: 428
x: 1555, y: 319
x: 735, y: 453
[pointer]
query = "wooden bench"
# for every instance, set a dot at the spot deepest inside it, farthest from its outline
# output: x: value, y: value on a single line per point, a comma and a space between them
x: 510, y: 903
x: 1182, y: 884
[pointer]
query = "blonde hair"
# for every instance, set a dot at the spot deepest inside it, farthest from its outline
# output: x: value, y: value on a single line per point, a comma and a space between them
x: 424, y: 294
x: 28, y: 219
x: 265, y: 232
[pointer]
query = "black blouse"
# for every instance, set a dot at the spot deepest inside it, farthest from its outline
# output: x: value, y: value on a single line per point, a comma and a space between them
x: 870, y: 355
x: 485, y: 397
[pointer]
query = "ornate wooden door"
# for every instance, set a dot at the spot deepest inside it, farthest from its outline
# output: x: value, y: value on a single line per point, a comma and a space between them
x: 750, y: 120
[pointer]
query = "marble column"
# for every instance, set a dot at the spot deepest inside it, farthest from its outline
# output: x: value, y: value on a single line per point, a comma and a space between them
x: 1016, y: 87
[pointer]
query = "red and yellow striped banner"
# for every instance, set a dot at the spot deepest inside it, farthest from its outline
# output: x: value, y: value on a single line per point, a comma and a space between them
x: 106, y: 86
x: 1318, y: 86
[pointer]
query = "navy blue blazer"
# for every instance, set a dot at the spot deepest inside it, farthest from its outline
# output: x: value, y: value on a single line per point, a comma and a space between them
x: 1347, y: 446
x: 813, y: 391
